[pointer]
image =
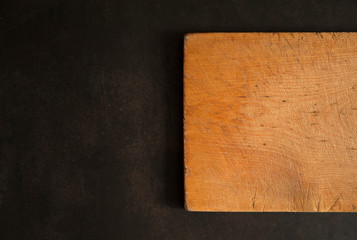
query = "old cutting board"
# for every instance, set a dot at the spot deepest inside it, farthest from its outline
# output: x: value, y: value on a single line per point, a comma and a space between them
x: 271, y: 122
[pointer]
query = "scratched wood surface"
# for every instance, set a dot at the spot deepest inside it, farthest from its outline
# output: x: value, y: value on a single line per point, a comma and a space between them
x: 270, y: 122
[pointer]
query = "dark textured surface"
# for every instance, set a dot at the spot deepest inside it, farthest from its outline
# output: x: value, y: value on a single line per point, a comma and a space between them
x: 91, y: 118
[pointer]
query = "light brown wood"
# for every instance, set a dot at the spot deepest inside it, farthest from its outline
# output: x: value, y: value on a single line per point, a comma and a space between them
x: 270, y: 122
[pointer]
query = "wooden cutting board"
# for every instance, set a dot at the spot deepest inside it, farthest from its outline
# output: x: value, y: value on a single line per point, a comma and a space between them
x: 270, y: 122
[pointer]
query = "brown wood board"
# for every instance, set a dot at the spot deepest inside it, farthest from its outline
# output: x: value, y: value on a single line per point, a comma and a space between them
x: 270, y: 122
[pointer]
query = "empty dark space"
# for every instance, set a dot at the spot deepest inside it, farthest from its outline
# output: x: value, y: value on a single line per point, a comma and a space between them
x: 91, y: 133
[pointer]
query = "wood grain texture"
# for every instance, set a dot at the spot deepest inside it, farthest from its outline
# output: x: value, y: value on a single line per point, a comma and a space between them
x: 270, y: 122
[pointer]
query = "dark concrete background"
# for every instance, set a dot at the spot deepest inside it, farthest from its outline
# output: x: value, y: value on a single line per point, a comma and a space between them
x: 91, y: 142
